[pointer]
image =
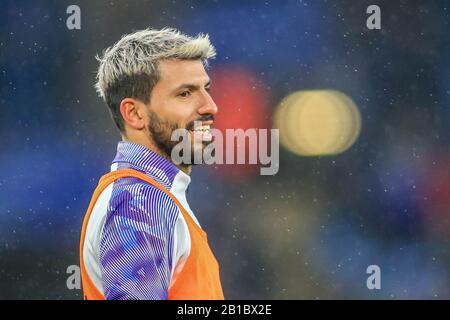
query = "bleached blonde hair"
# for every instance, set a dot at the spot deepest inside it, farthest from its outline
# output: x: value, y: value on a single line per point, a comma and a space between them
x: 129, y: 68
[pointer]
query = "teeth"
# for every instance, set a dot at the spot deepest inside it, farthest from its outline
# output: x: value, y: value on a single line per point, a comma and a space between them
x: 204, y: 128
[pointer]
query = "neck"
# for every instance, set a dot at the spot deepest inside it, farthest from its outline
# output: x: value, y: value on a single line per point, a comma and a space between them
x: 150, y: 145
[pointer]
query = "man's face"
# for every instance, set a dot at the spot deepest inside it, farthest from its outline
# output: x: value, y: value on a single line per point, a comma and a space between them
x: 180, y: 97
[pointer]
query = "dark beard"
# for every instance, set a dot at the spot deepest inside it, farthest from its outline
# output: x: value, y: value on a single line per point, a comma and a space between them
x: 161, y: 132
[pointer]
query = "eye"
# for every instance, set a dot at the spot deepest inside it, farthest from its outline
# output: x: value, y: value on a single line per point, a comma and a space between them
x: 185, y: 94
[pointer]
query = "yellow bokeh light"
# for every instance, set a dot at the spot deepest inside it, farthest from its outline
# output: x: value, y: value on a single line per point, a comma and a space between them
x: 317, y: 122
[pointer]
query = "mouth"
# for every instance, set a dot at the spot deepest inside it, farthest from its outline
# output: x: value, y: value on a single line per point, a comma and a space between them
x: 204, y: 130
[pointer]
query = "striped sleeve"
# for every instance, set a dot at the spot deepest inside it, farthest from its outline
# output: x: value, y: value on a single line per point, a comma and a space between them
x: 136, y: 243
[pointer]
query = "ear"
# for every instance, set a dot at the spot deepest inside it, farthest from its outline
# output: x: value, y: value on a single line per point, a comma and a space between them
x: 133, y: 112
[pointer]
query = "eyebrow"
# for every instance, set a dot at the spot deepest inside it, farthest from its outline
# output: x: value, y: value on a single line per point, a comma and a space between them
x: 191, y: 86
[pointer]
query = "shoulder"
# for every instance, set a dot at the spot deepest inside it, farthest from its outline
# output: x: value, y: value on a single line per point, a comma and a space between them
x: 135, y: 198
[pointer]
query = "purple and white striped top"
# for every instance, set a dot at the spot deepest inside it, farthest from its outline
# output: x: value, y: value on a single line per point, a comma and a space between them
x: 137, y: 240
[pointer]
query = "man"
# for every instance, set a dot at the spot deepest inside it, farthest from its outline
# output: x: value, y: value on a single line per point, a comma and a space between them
x: 140, y: 239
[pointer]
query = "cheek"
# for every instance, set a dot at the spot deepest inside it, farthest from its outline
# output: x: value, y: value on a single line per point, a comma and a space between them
x: 183, y: 113
x: 169, y: 112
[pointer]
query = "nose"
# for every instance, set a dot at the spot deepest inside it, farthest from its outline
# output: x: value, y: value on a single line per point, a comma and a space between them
x: 208, y: 106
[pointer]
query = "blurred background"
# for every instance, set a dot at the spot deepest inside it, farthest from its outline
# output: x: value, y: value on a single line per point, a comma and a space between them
x: 368, y: 185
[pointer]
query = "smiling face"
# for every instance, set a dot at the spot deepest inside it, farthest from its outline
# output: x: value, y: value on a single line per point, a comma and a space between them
x: 180, y: 97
